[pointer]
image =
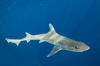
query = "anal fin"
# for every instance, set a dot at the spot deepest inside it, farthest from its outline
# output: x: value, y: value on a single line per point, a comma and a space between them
x: 41, y: 41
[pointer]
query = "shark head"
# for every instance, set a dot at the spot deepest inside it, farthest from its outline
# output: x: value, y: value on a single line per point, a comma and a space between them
x: 78, y: 47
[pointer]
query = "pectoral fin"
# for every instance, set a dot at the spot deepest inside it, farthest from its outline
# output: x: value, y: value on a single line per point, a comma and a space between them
x: 54, y: 50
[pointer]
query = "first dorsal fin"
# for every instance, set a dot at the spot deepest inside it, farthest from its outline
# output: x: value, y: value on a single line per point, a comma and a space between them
x: 51, y: 28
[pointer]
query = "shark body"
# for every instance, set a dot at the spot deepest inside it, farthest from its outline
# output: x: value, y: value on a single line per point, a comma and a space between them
x: 60, y: 42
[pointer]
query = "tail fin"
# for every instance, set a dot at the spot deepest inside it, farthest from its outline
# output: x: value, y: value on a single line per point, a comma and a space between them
x: 16, y: 41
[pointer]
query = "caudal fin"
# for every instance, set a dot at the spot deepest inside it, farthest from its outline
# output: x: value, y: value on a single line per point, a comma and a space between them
x: 16, y: 41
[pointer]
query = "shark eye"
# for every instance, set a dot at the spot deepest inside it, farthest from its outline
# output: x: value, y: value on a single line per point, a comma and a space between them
x: 76, y: 47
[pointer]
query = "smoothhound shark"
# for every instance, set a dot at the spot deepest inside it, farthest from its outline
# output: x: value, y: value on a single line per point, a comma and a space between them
x: 60, y: 42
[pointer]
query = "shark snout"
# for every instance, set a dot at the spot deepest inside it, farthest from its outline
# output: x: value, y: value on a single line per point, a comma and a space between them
x: 84, y: 48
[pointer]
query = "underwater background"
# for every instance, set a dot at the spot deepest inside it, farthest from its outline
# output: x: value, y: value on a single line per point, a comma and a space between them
x: 75, y: 19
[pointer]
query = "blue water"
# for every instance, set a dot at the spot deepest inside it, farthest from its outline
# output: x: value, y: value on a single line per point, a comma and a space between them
x: 76, y: 19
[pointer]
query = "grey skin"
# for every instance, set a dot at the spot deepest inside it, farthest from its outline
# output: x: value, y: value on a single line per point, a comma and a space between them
x: 60, y: 42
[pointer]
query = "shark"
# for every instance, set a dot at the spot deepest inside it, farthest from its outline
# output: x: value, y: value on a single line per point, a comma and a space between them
x: 52, y: 37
